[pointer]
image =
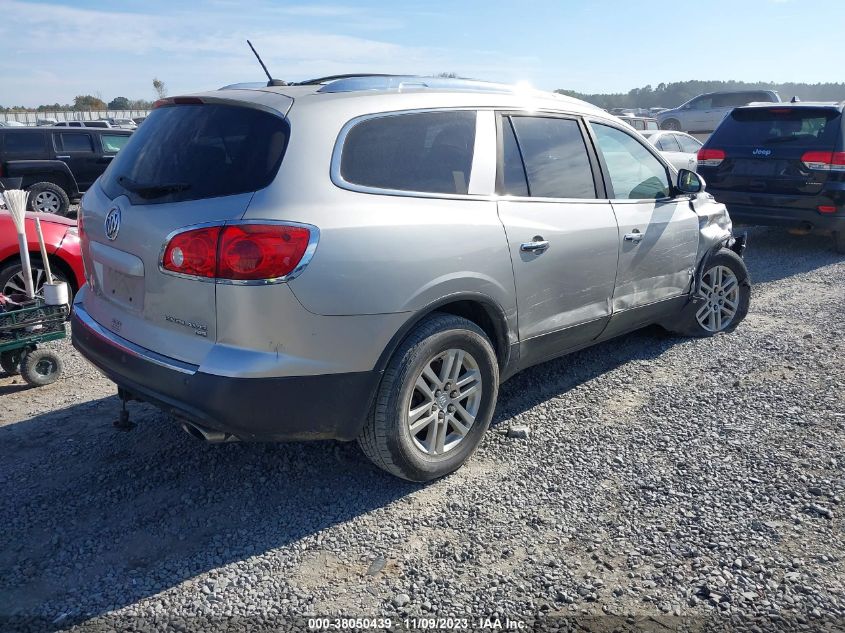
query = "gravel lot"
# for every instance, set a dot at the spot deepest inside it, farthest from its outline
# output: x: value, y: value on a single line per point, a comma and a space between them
x: 682, y: 482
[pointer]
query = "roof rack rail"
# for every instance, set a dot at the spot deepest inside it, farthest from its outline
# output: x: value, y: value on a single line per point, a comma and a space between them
x: 354, y: 83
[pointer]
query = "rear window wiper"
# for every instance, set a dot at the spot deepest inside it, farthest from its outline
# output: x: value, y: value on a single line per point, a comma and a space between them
x: 149, y: 191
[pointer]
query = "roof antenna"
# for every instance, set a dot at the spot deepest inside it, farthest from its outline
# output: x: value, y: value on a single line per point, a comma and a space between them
x: 270, y: 80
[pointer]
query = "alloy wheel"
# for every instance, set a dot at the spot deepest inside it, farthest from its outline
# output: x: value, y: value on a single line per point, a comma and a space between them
x: 16, y: 284
x: 46, y: 202
x: 444, y: 402
x: 720, y: 292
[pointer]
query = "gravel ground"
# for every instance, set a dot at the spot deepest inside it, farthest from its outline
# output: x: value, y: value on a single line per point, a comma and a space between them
x: 678, y: 483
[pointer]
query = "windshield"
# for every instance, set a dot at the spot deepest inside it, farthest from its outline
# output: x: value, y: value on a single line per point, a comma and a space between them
x: 807, y: 127
x: 189, y: 152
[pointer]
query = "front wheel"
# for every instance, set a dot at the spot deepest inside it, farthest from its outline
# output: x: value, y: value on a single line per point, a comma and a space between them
x: 722, y: 300
x: 671, y: 124
x: 435, y: 401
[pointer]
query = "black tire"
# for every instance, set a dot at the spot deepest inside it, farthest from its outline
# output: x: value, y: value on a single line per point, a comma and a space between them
x: 839, y: 241
x: 48, y: 197
x: 671, y: 124
x: 10, y: 285
x: 386, y: 439
x: 41, y: 367
x: 689, y: 324
x: 11, y: 362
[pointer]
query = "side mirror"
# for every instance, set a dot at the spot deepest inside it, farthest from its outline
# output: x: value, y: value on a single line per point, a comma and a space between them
x: 690, y: 182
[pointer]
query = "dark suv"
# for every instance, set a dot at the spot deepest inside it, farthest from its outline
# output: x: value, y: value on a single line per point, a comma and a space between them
x: 781, y: 165
x: 57, y: 164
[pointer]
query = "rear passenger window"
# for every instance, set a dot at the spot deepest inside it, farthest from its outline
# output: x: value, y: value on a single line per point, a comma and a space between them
x: 688, y: 144
x: 428, y: 151
x: 635, y: 172
x: 75, y: 142
x: 555, y: 157
x: 667, y: 143
x: 25, y: 143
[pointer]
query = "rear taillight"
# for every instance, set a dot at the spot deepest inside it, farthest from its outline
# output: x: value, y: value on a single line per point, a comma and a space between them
x: 825, y: 208
x: 193, y: 252
x: 239, y: 252
x: 710, y: 157
x: 824, y: 161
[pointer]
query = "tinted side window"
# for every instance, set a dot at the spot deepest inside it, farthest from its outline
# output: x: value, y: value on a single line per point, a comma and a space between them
x: 26, y: 143
x: 555, y: 155
x: 634, y: 171
x: 427, y: 151
x: 75, y: 142
x: 513, y: 171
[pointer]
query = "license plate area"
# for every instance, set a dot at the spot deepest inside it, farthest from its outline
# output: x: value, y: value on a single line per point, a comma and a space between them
x: 126, y: 291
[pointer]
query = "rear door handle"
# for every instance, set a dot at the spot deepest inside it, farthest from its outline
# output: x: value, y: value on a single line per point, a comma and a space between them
x: 635, y: 236
x: 537, y: 246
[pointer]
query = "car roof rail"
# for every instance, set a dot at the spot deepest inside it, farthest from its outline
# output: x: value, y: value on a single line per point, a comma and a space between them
x: 399, y: 83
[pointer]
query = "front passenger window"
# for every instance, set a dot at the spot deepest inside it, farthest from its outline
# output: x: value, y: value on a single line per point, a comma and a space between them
x: 635, y: 173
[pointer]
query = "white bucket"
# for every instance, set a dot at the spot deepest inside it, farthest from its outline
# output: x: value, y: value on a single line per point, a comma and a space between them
x: 56, y: 294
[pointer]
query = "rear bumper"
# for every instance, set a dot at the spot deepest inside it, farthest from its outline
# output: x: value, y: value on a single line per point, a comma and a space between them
x: 780, y: 211
x: 331, y: 406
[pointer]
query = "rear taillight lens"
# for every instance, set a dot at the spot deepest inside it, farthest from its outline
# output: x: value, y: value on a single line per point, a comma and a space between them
x: 193, y: 252
x: 825, y: 208
x: 710, y: 157
x: 243, y: 252
x: 824, y: 161
x: 261, y: 251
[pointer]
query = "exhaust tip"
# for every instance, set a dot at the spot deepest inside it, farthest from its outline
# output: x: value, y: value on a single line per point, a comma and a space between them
x: 207, y: 435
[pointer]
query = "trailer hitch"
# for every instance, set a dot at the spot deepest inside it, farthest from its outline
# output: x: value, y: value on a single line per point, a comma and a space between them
x: 123, y: 423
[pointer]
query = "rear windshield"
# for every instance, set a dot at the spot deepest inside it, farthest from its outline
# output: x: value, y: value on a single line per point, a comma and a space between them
x: 190, y: 152
x: 804, y: 127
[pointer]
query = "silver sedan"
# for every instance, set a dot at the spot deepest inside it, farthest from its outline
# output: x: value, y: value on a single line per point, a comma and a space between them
x: 680, y: 149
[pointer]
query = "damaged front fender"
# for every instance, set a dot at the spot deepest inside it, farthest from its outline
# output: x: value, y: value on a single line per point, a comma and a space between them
x: 715, y: 232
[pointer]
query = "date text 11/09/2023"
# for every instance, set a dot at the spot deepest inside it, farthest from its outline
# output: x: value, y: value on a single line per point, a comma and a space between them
x: 417, y: 624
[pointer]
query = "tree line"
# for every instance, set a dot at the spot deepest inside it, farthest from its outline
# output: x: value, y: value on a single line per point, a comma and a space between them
x: 670, y: 95
x: 91, y: 103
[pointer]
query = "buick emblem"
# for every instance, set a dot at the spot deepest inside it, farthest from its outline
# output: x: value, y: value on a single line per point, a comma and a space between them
x: 112, y: 223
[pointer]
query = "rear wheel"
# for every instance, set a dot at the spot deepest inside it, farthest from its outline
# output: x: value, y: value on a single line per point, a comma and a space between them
x: 839, y: 241
x: 435, y: 400
x: 11, y: 361
x: 671, y: 124
x: 47, y: 197
x: 41, y: 367
x: 723, y: 297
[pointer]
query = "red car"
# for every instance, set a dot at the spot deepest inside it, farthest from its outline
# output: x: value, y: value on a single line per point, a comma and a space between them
x: 62, y: 241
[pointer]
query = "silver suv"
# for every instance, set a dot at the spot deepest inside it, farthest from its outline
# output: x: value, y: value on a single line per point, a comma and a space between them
x: 704, y: 113
x: 370, y: 257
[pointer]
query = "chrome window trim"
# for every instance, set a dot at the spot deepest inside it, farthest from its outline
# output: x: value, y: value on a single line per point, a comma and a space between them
x: 131, y: 348
x: 313, y: 240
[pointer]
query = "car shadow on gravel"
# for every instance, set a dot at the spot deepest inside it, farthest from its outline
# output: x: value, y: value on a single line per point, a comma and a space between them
x: 540, y: 383
x: 95, y: 519
x: 774, y: 253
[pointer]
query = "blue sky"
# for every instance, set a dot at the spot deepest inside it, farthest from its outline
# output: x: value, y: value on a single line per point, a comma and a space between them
x: 54, y: 50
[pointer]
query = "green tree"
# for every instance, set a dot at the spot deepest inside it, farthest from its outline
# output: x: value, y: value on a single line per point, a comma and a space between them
x: 119, y: 103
